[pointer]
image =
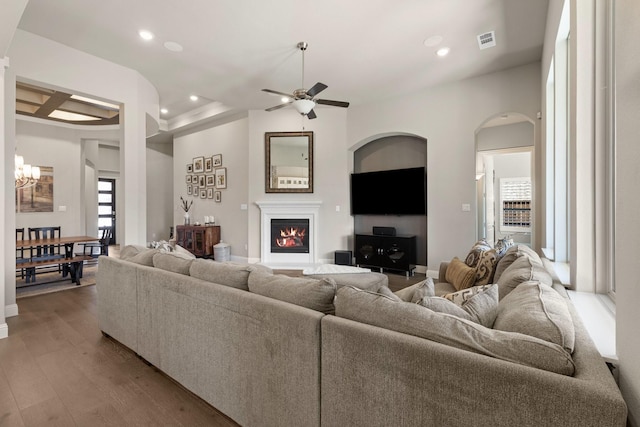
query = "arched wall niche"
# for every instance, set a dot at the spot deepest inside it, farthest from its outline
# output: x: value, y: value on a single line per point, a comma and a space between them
x: 393, y: 151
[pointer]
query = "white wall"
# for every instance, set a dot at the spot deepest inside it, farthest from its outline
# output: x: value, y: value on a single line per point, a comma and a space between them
x: 231, y: 140
x: 160, y: 197
x: 448, y: 116
x: 627, y: 268
x: 330, y: 181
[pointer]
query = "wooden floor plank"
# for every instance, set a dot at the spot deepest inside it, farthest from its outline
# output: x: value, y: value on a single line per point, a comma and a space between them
x: 9, y: 412
x: 48, y: 413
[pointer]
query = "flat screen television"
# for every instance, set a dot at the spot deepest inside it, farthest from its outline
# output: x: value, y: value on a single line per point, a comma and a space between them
x: 390, y: 192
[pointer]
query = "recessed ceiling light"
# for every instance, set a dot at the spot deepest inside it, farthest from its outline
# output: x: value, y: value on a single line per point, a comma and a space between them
x: 173, y: 46
x: 433, y: 41
x: 193, y: 98
x: 146, y: 35
x: 443, y: 51
x: 164, y: 110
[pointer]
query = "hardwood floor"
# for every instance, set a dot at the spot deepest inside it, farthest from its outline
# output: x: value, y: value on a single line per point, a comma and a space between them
x: 56, y: 369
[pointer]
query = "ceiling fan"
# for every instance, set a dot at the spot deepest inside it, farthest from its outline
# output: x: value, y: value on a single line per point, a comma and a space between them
x: 303, y: 100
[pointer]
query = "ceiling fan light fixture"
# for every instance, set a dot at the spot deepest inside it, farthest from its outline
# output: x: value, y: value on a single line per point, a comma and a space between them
x: 303, y: 106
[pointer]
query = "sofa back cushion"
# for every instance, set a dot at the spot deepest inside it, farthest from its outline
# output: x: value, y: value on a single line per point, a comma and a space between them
x: 378, y: 310
x: 172, y: 261
x: 537, y: 310
x: 523, y: 269
x: 233, y: 275
x: 513, y: 253
x: 311, y: 293
x: 481, y: 308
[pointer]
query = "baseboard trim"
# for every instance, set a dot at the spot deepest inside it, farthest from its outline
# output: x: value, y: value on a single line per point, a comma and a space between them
x: 11, y: 310
x: 4, y: 330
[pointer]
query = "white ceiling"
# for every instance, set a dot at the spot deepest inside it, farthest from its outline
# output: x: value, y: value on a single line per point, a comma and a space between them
x: 364, y: 50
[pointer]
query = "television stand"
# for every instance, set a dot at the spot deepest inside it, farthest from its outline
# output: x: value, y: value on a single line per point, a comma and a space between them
x: 397, y: 253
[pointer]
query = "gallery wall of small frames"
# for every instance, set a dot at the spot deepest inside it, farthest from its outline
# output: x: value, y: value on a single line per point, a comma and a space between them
x: 206, y: 177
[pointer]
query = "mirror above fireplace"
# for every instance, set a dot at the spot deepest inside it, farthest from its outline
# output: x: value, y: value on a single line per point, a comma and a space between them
x: 289, y: 162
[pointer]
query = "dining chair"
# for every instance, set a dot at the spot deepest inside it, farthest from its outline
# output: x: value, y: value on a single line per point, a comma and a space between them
x: 46, y: 251
x: 20, y: 252
x: 102, y: 245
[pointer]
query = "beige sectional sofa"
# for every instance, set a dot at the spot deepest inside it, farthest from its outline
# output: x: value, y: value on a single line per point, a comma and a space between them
x: 265, y: 349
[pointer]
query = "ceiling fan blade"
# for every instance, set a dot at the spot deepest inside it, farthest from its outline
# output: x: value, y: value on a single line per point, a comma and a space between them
x: 332, y: 103
x: 316, y: 89
x: 277, y: 107
x: 275, y: 92
x: 311, y: 115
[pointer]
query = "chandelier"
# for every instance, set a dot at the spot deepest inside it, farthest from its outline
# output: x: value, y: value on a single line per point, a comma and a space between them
x: 26, y: 175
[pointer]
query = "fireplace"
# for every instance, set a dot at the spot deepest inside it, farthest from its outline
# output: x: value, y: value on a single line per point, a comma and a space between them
x: 295, y: 251
x: 290, y: 235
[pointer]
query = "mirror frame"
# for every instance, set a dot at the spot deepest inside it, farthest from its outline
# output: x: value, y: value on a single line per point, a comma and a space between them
x: 267, y: 172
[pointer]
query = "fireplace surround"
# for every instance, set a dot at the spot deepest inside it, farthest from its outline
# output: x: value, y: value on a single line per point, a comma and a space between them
x: 298, y: 213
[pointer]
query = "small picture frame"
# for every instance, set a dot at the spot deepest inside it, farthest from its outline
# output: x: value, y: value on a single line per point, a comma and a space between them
x: 211, y: 180
x: 221, y: 178
x: 188, y: 179
x: 208, y: 164
x: 209, y: 193
x: 189, y: 190
x: 201, y: 181
x: 198, y: 165
x: 203, y: 194
x: 194, y: 179
x: 190, y: 168
x: 217, y: 160
x: 194, y: 190
x: 217, y: 197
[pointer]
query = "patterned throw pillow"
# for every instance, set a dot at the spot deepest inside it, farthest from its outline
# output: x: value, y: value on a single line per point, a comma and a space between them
x: 476, y: 250
x: 502, y: 245
x: 461, y: 296
x: 486, y: 267
x: 482, y: 307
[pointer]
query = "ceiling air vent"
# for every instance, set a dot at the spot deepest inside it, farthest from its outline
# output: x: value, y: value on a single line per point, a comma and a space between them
x: 487, y: 40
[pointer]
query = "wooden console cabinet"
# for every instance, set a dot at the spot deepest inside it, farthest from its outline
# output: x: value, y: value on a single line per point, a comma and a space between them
x: 198, y: 239
x: 386, y: 252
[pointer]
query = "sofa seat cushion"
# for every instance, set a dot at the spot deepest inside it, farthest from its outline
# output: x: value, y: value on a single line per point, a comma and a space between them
x: 523, y: 269
x: 537, y: 310
x: 460, y: 275
x: 233, y: 275
x: 172, y: 261
x: 311, y: 293
x: 481, y: 307
x: 378, y: 310
x: 138, y: 254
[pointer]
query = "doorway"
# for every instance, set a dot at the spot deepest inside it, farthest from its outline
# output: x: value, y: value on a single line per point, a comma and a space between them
x: 107, y: 206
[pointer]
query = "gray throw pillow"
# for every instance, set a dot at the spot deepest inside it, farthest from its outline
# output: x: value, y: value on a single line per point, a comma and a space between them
x: 482, y: 307
x: 311, y: 293
x: 138, y: 254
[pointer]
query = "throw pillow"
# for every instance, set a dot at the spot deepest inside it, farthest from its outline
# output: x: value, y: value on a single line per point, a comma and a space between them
x: 138, y: 254
x: 539, y: 311
x: 384, y: 290
x: 474, y: 254
x: 423, y: 288
x: 380, y: 311
x: 233, y: 275
x: 461, y: 296
x: 460, y: 275
x: 523, y: 269
x: 502, y: 245
x: 481, y: 307
x: 485, y: 267
x: 311, y: 293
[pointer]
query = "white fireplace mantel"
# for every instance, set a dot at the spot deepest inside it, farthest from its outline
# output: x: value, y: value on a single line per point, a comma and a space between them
x: 288, y: 209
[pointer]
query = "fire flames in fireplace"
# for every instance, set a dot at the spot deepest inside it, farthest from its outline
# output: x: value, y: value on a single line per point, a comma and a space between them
x: 291, y: 237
